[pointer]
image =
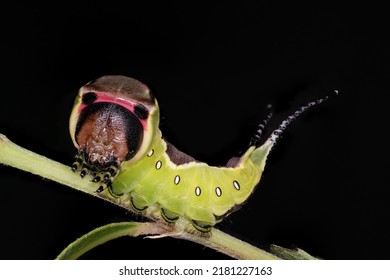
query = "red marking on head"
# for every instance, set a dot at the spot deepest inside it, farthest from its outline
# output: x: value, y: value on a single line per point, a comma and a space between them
x: 129, y: 105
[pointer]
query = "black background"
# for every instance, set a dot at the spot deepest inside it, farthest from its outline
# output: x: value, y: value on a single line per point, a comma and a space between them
x: 213, y: 68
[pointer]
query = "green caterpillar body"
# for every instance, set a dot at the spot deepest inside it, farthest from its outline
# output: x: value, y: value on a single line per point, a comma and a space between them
x: 115, y: 126
x: 195, y: 190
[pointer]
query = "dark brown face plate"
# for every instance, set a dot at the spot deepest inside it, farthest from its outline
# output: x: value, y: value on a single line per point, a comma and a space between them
x: 108, y: 132
x: 101, y: 135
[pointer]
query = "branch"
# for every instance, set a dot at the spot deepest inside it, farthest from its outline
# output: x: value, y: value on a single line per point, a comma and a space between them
x: 18, y: 157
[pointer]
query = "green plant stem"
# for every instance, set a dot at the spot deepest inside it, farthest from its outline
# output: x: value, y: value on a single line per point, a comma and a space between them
x: 18, y: 157
x: 236, y: 248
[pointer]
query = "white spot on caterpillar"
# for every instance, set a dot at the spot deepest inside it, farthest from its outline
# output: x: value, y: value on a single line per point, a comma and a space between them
x: 198, y: 191
x: 177, y: 179
x: 150, y: 153
x: 218, y: 191
x: 236, y: 185
x: 158, y: 164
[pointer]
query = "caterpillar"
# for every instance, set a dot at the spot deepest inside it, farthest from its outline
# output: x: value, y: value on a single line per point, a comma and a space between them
x: 114, y: 124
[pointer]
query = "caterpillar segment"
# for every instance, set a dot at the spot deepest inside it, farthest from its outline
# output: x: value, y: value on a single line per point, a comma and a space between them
x: 114, y: 125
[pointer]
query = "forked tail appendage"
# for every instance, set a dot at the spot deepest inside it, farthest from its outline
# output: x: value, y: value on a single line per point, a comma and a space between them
x: 275, y: 135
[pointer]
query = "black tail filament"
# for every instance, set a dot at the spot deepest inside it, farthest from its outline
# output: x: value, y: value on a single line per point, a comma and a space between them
x: 275, y: 135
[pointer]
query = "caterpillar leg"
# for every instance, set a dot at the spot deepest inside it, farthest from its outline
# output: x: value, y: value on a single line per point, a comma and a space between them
x: 103, y: 174
x: 106, y: 176
x: 169, y: 216
x: 81, y: 163
x: 135, y: 207
x: 192, y: 226
x: 203, y: 228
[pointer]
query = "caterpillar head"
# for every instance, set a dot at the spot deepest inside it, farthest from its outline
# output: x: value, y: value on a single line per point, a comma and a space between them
x: 114, y: 119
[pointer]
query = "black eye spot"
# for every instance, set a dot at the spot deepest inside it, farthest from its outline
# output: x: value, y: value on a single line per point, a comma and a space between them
x: 89, y: 98
x: 141, y: 111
